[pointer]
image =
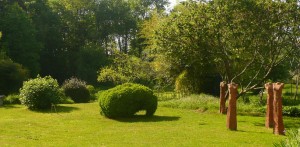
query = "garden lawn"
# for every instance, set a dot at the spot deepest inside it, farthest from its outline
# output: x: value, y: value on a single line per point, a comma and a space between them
x: 82, y: 125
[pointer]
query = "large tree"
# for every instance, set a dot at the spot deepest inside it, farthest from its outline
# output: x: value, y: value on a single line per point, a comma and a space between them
x: 243, y: 41
x: 19, y: 40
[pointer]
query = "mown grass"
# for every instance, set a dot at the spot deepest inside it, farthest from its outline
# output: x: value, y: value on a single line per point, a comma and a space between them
x: 82, y: 125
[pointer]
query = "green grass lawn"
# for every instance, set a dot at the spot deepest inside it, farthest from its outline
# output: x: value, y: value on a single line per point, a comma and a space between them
x: 82, y: 125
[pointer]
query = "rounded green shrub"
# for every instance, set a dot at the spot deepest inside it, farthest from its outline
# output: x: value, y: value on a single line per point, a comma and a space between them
x: 76, y: 90
x: 40, y: 93
x: 127, y: 99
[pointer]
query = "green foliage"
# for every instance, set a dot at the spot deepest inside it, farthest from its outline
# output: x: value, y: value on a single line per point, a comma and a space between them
x: 126, y: 68
x: 200, y: 102
x: 92, y: 91
x: 215, y: 38
x: 182, y: 84
x: 189, y: 82
x: 107, y: 74
x: 66, y: 100
x: 127, y: 99
x: 19, y: 40
x: 76, y: 89
x: 63, y: 98
x: 90, y: 58
x: 40, y: 93
x: 292, y: 111
x: 293, y: 139
x: 12, y: 76
x: 12, y: 99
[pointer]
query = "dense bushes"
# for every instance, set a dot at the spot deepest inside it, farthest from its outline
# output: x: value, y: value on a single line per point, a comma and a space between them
x: 292, y: 111
x: 194, y: 81
x: 12, y: 99
x: 127, y: 99
x: 76, y: 89
x: 12, y: 76
x: 40, y: 93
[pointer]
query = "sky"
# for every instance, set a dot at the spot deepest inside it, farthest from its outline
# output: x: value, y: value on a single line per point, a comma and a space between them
x: 174, y: 2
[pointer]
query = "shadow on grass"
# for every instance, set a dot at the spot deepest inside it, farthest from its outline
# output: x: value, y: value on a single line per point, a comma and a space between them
x: 291, y: 123
x: 253, y: 114
x: 58, y: 109
x: 9, y: 106
x: 143, y: 118
x: 288, y: 123
x: 260, y: 124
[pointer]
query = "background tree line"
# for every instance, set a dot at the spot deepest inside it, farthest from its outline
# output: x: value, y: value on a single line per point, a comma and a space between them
x: 64, y: 38
x: 193, y: 47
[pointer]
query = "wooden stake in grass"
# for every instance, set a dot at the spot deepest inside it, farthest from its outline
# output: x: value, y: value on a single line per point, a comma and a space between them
x: 231, y: 112
x: 222, y: 97
x: 277, y: 103
x: 269, y: 114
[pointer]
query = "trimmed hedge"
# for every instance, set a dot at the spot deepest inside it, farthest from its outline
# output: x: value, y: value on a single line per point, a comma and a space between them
x: 40, y: 93
x: 127, y: 99
x: 76, y: 89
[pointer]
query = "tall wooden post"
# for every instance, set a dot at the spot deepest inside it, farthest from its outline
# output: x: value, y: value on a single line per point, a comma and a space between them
x: 231, y: 112
x: 277, y: 103
x: 269, y: 114
x: 222, y: 97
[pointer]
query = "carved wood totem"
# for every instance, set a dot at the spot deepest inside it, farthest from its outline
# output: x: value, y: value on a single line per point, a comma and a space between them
x: 231, y: 112
x: 277, y: 104
x: 223, y: 87
x: 269, y: 114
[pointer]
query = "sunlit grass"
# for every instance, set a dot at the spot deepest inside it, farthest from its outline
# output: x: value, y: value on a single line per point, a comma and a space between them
x: 82, y: 125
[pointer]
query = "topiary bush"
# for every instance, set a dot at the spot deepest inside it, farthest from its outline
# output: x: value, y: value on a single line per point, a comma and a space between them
x: 40, y: 93
x: 127, y: 99
x: 76, y: 89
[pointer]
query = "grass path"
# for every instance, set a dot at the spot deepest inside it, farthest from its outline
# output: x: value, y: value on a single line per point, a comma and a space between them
x: 81, y: 125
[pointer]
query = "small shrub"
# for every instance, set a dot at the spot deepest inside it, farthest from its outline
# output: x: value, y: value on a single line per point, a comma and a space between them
x: 182, y: 83
x: 64, y: 99
x: 127, y: 99
x: 76, y: 90
x: 40, y: 93
x: 92, y: 91
x: 292, y: 111
x: 12, y: 99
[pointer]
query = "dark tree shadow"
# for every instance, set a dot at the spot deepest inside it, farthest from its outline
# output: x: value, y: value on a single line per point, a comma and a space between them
x: 58, y: 109
x: 261, y: 124
x: 251, y: 114
x: 6, y: 106
x: 144, y: 118
x: 252, y: 132
x: 291, y: 123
